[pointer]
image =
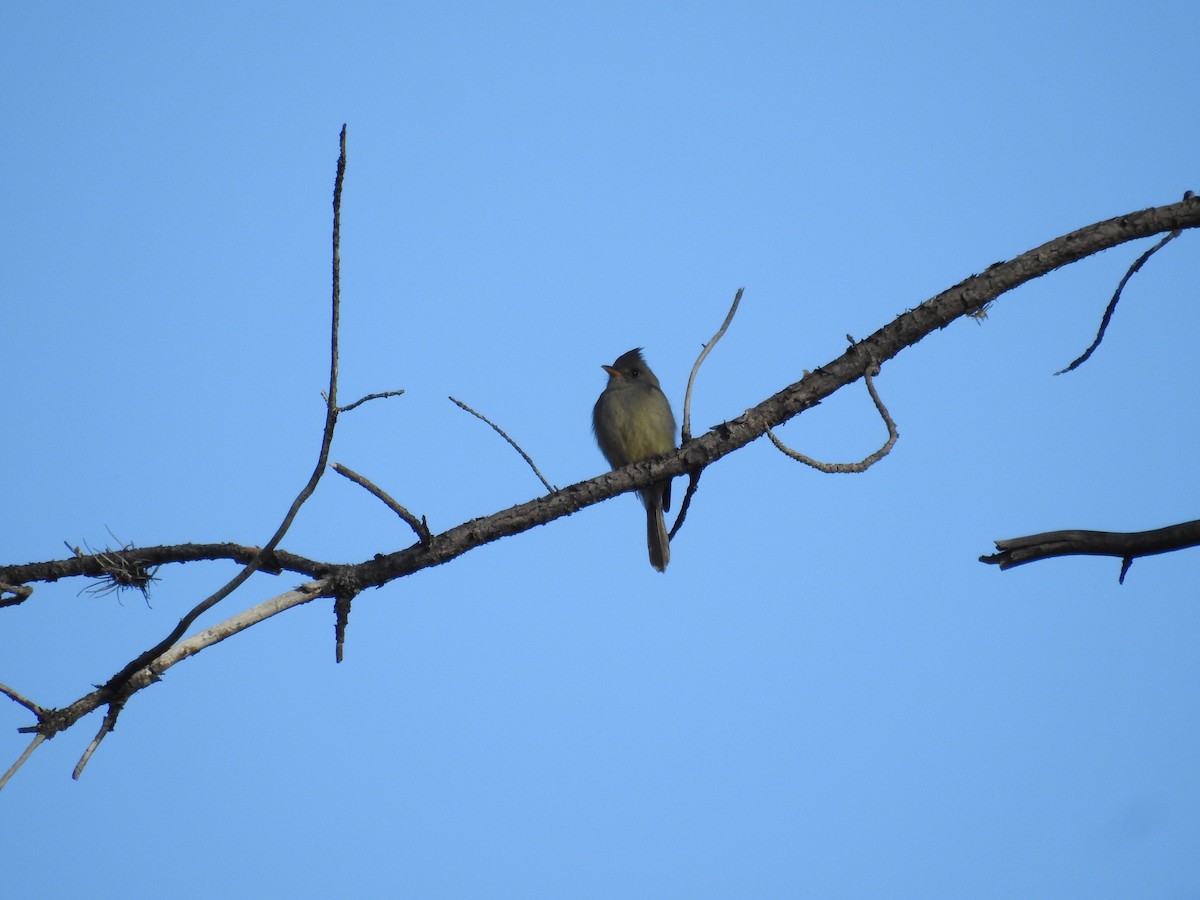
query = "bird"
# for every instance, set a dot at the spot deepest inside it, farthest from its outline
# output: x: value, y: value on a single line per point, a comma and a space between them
x: 632, y: 421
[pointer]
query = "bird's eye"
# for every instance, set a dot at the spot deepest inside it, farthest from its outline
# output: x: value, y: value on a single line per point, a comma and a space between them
x: 635, y: 373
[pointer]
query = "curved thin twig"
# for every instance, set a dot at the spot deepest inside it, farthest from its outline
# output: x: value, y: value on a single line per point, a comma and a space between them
x: 862, y: 465
x: 1112, y: 304
x: 693, y: 484
x: 500, y: 431
x: 687, y: 397
x: 686, y: 432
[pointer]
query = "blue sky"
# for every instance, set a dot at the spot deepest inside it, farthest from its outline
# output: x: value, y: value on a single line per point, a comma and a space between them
x: 826, y: 695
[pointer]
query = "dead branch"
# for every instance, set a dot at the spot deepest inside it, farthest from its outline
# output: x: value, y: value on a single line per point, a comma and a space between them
x: 93, y: 565
x: 686, y: 435
x: 38, y: 740
x: 865, y: 463
x: 500, y: 431
x: 331, y: 414
x: 418, y: 525
x: 115, y: 692
x: 1112, y: 304
x: 52, y: 721
x: 1126, y: 546
x: 361, y: 400
x: 18, y: 698
x: 20, y: 593
x: 705, y: 350
x: 963, y: 299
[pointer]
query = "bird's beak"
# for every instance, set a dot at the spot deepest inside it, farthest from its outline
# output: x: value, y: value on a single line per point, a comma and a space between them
x: 615, y: 373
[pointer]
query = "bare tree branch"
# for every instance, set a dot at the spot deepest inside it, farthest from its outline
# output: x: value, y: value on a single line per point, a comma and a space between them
x: 343, y: 582
x: 862, y: 465
x: 341, y: 612
x: 361, y: 400
x: 687, y: 397
x: 500, y: 431
x: 884, y: 344
x: 119, y: 687
x: 686, y: 434
x: 92, y: 566
x: 18, y: 698
x: 20, y: 593
x: 1126, y: 546
x: 1112, y: 304
x: 106, y: 725
x: 417, y: 525
x: 331, y: 414
x: 151, y: 673
x: 38, y: 740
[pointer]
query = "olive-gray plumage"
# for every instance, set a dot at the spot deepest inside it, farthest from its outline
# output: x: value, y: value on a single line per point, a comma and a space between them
x: 633, y: 421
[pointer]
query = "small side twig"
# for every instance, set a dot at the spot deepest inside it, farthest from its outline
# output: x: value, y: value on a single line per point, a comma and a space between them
x: 417, y: 525
x: 341, y: 612
x: 109, y: 723
x: 20, y: 593
x: 693, y: 483
x: 1112, y: 304
x: 500, y: 431
x: 38, y: 739
x: 18, y: 698
x: 360, y: 401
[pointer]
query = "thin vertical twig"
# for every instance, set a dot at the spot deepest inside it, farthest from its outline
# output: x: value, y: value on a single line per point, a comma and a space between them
x: 113, y: 685
x: 687, y: 397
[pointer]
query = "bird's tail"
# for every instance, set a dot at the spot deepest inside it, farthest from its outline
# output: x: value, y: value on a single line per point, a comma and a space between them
x: 656, y: 535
